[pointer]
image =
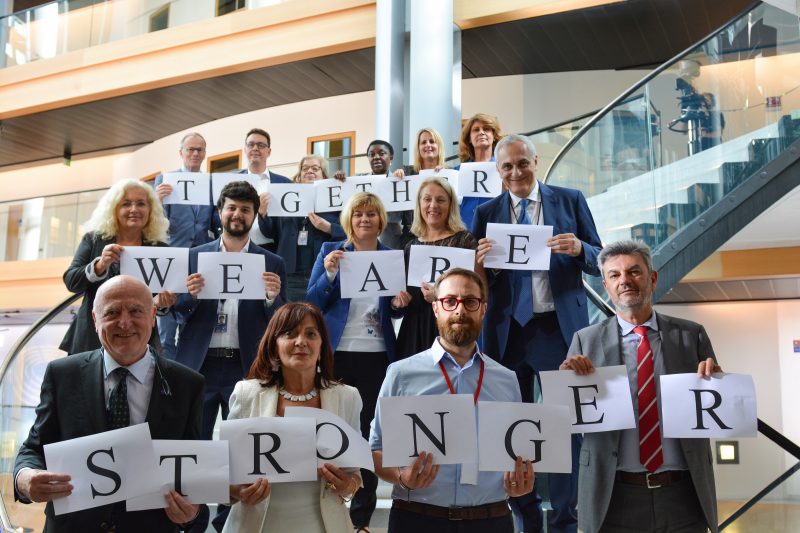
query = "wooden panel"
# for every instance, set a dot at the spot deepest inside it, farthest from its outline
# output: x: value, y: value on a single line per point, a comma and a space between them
x: 33, y: 284
x: 744, y: 264
x: 475, y: 13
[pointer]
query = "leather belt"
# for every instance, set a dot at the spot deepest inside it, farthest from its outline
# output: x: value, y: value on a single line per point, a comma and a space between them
x: 546, y: 314
x: 479, y: 512
x: 651, y: 481
x: 223, y: 353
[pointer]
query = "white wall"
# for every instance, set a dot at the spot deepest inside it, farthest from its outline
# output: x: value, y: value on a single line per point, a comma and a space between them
x: 756, y: 338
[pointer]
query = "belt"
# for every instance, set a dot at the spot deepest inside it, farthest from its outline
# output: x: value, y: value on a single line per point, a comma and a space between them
x: 223, y: 353
x: 546, y: 314
x: 479, y: 512
x: 651, y: 481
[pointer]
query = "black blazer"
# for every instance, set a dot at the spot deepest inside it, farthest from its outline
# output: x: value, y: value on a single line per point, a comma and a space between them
x: 72, y: 404
x: 81, y: 335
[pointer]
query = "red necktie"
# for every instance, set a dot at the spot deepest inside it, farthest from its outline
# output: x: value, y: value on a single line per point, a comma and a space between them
x: 650, y: 453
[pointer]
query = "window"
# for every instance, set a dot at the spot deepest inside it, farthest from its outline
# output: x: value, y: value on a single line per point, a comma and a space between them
x: 337, y: 148
x: 225, y: 162
x: 159, y: 20
x: 229, y: 6
x: 150, y: 178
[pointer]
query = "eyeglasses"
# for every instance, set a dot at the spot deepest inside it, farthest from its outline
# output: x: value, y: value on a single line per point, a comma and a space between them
x: 315, y: 168
x: 194, y: 150
x: 451, y: 303
x: 260, y: 146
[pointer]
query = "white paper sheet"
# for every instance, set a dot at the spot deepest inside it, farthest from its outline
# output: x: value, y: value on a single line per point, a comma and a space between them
x: 427, y: 263
x: 161, y: 268
x: 329, y: 196
x: 518, y: 246
x: 290, y: 199
x: 370, y: 274
x: 188, y: 188
x: 338, y: 442
x: 479, y: 179
x: 231, y: 275
x: 397, y: 194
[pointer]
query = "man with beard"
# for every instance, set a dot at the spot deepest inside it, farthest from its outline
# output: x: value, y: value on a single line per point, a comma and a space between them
x: 620, y: 469
x: 220, y: 337
x: 443, y: 498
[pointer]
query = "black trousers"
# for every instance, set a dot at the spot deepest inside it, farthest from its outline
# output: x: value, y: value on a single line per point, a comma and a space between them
x: 364, y: 371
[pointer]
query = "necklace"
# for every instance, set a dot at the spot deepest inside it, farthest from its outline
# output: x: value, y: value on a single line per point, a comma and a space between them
x: 298, y: 397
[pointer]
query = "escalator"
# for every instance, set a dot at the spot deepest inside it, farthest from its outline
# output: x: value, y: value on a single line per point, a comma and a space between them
x: 682, y: 160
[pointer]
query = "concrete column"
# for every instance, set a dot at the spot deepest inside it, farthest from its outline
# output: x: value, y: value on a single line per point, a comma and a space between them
x: 389, y: 75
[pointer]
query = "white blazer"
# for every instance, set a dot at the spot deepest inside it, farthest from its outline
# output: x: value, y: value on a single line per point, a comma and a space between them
x: 250, y: 399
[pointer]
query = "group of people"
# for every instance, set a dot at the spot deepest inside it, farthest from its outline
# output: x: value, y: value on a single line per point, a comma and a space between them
x: 480, y: 331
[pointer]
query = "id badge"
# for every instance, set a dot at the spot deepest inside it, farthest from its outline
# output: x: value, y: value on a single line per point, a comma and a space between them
x: 302, y: 237
x: 222, y: 323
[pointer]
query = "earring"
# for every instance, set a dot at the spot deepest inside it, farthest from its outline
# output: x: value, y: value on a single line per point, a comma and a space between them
x: 319, y: 370
x: 276, y: 365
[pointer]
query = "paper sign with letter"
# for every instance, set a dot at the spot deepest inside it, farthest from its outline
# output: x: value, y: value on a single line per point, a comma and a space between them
x: 290, y: 199
x: 450, y: 174
x: 427, y: 263
x: 338, y: 442
x: 329, y: 196
x: 443, y: 425
x: 600, y: 401
x: 479, y: 179
x: 221, y: 179
x: 397, y: 194
x: 161, y: 268
x: 518, y: 246
x: 357, y: 184
x: 196, y: 469
x: 278, y: 448
x: 231, y: 275
x: 105, y: 467
x: 721, y: 407
x: 188, y: 188
x: 535, y: 432
x: 370, y: 274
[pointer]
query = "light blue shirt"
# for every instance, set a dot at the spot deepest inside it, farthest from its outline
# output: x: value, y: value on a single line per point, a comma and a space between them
x: 629, y: 438
x: 420, y: 374
x: 140, y: 383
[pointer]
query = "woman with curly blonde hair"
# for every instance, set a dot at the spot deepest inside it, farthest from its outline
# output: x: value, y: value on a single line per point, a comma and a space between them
x: 129, y: 214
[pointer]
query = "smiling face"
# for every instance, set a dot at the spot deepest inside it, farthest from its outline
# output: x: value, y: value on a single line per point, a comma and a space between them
x: 517, y: 168
x: 257, y: 150
x: 434, y: 206
x: 630, y: 285
x: 311, y: 170
x: 299, y: 349
x: 133, y: 211
x: 124, y: 316
x: 365, y: 223
x: 459, y: 327
x: 193, y: 152
x: 428, y: 150
x: 237, y: 217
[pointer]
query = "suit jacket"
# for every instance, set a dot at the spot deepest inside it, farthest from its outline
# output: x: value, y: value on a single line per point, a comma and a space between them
x: 269, y: 225
x: 72, y: 405
x: 683, y: 345
x: 328, y: 297
x: 199, y: 316
x: 81, y: 335
x: 289, y: 229
x: 567, y: 211
x: 250, y: 399
x: 187, y: 229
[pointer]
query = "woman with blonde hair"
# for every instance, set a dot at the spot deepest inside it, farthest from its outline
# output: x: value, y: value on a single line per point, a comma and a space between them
x: 436, y: 223
x: 128, y: 214
x: 362, y: 335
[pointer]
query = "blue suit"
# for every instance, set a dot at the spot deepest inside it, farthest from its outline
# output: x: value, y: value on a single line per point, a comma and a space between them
x: 189, y: 225
x: 542, y: 343
x: 328, y: 297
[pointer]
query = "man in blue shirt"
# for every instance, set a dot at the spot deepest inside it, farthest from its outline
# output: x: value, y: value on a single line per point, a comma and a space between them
x: 443, y: 498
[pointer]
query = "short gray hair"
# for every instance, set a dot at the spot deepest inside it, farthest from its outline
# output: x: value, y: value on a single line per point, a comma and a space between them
x: 189, y: 136
x: 626, y: 247
x: 514, y: 138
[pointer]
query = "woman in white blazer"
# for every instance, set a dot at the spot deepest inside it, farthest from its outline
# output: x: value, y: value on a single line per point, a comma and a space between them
x: 294, y: 367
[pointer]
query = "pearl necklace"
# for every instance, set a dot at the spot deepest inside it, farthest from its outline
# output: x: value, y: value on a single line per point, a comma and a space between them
x: 298, y: 397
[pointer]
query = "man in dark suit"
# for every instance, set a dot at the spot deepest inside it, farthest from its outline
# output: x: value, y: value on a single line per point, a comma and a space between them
x: 532, y: 315
x: 635, y: 480
x: 189, y: 225
x: 257, y: 148
x: 73, y: 404
x: 220, y: 337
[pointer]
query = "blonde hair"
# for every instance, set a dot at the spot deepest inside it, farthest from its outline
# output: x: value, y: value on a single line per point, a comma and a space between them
x: 454, y: 223
x: 104, y: 217
x: 323, y: 164
x: 361, y: 200
x: 466, y: 152
x: 439, y: 142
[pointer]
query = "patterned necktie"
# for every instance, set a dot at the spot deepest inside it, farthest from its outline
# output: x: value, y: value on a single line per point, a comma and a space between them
x: 523, y: 292
x: 118, y: 413
x: 650, y: 452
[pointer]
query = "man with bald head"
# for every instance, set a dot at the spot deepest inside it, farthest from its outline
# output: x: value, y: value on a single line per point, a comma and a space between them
x: 74, y: 402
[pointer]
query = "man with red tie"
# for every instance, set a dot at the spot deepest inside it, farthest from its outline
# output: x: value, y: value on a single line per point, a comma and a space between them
x: 635, y: 479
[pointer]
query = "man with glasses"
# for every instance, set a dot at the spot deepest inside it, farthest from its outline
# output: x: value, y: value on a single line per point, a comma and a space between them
x: 435, y: 498
x: 257, y: 149
x: 189, y: 225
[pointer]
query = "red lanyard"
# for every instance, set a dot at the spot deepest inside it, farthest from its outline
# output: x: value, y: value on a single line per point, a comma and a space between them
x: 450, y: 384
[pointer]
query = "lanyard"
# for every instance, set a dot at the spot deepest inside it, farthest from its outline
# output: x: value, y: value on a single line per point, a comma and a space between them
x: 450, y: 384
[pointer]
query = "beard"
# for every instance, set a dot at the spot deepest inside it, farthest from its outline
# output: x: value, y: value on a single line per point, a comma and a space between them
x: 466, y: 335
x: 235, y: 232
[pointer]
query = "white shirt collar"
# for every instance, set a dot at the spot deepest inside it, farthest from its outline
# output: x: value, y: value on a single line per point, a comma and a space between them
x: 223, y: 249
x: 265, y: 174
x: 438, y: 353
x: 138, y: 369
x: 626, y: 327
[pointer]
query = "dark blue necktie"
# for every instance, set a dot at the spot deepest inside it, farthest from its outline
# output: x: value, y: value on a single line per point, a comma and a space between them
x: 523, y: 293
x: 119, y: 415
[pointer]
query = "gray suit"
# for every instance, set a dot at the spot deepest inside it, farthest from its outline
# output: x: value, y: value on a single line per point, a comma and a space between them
x: 683, y: 345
